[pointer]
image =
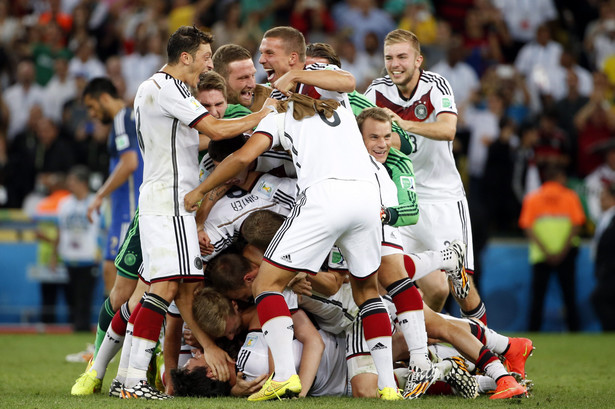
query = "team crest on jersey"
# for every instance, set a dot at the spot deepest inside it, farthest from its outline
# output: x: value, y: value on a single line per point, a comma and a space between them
x: 122, y: 142
x: 420, y: 111
x: 196, y: 104
x: 250, y: 341
x: 198, y: 263
x: 407, y: 182
x: 265, y: 189
x: 130, y: 259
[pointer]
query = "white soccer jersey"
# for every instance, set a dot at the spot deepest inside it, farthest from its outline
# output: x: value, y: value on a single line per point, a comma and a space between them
x: 253, y: 361
x: 317, y: 152
x: 437, y: 178
x: 166, y: 113
x: 78, y: 237
x: 224, y: 222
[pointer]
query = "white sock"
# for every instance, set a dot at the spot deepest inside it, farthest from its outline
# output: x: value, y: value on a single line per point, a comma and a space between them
x: 140, y: 356
x: 279, y: 334
x: 108, y: 348
x: 380, y: 349
x: 495, y: 370
x: 412, y: 326
x: 125, y: 356
x: 494, y: 341
x: 426, y: 262
x: 485, y: 384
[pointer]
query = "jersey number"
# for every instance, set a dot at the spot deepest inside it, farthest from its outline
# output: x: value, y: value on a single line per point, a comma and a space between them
x: 336, y: 119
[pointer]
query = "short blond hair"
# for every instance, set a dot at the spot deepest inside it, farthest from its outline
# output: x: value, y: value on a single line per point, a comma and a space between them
x: 294, y: 41
x: 403, y: 36
x: 211, y: 310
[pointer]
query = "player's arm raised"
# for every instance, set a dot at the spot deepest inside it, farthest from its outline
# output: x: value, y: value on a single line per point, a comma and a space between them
x: 332, y: 80
x: 443, y: 129
x: 218, y: 129
x: 229, y: 167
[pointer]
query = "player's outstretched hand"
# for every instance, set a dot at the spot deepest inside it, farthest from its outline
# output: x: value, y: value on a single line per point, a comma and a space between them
x: 192, y: 199
x: 218, y: 363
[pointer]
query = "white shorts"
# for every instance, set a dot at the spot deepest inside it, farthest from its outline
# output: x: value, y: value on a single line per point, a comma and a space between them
x: 392, y: 242
x: 439, y: 224
x: 331, y: 212
x: 170, y: 247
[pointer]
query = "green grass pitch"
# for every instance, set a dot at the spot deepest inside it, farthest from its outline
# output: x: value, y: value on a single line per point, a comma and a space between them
x: 569, y: 371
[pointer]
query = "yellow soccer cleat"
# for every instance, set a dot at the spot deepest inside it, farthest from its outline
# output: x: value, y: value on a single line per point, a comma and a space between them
x: 390, y: 394
x: 86, y: 384
x: 281, y: 390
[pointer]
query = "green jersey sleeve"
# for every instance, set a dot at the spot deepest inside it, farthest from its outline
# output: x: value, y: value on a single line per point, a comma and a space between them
x: 358, y: 102
x: 401, y: 171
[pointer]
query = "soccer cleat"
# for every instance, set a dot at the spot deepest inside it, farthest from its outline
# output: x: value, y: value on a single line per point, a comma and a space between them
x: 143, y: 390
x: 460, y: 379
x: 115, y: 389
x: 86, y: 384
x: 390, y: 394
x: 458, y: 276
x: 281, y: 390
x: 419, y: 380
x: 519, y: 350
x: 82, y: 356
x: 508, y: 388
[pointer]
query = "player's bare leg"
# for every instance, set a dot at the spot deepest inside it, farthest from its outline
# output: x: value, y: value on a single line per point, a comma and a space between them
x: 109, y: 274
x: 435, y: 289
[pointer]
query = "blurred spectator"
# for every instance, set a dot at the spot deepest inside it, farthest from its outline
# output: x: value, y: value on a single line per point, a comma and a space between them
x: 604, y: 242
x: 454, y: 11
x: 53, y: 280
x: 54, y: 14
x: 536, y: 61
x: 599, y: 38
x: 526, y: 176
x: 115, y: 72
x: 76, y: 246
x: 9, y: 25
x: 552, y: 217
x: 85, y: 62
x: 60, y: 89
x: 418, y: 18
x: 143, y: 62
x: 45, y: 52
x: 225, y: 29
x: 22, y: 95
x: 599, y: 179
x: 355, y: 62
x: 501, y: 204
x: 312, y: 18
x: 459, y: 74
x: 511, y: 85
x: 523, y: 17
x: 567, y: 108
x: 595, y: 122
x: 373, y: 53
x: 559, y: 77
x: 552, y: 146
x: 358, y: 17
x: 485, y: 36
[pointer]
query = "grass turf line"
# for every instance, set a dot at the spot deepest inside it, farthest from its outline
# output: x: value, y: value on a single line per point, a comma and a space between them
x: 569, y: 371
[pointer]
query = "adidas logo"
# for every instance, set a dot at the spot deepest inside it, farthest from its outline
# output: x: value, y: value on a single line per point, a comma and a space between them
x: 149, y: 350
x: 287, y: 258
x: 378, y: 346
x: 404, y: 321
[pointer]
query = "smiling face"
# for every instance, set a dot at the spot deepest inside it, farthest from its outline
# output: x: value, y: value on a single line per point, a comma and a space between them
x: 241, y: 82
x: 276, y: 61
x: 402, y: 63
x: 377, y: 138
x: 213, y: 100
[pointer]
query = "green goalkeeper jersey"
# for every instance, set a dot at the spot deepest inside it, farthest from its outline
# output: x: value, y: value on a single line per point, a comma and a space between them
x: 399, y: 167
x: 236, y: 111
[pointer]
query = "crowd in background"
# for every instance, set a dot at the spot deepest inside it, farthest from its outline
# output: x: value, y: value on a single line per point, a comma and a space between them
x: 534, y: 81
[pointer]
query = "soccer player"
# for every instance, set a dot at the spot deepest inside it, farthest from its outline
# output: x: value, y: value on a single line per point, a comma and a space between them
x: 126, y: 174
x: 235, y: 65
x: 326, y: 211
x: 422, y: 103
x: 168, y: 121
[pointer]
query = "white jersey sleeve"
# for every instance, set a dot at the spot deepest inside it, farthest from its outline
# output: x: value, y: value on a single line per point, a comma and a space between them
x: 274, y: 189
